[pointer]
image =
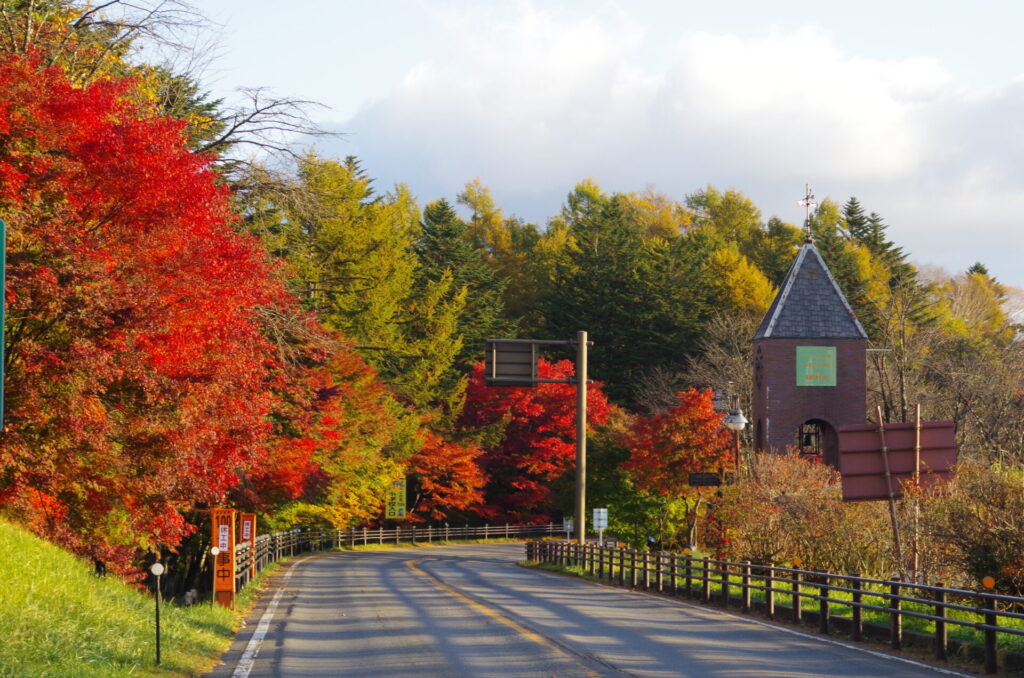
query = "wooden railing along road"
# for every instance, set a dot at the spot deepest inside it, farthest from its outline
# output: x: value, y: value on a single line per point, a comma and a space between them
x: 989, y: 615
x: 270, y: 548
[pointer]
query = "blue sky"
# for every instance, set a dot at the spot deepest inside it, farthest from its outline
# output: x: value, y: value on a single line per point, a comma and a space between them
x: 916, y: 108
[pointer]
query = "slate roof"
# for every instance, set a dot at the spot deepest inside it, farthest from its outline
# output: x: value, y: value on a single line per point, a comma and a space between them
x: 810, y: 304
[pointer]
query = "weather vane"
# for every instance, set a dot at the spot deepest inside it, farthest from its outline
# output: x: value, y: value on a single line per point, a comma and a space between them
x: 809, y: 204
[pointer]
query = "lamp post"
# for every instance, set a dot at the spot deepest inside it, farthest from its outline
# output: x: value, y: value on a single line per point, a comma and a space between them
x: 157, y: 569
x: 735, y: 422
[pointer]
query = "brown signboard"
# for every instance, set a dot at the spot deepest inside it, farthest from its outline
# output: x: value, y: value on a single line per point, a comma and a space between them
x: 709, y: 479
x: 862, y: 466
x: 510, y: 362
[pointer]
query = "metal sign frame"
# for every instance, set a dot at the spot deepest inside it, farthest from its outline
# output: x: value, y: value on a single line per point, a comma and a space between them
x: 505, y: 366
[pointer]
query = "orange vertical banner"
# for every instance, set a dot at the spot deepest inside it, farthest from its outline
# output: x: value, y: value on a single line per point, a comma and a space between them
x: 223, y: 523
x: 248, y: 534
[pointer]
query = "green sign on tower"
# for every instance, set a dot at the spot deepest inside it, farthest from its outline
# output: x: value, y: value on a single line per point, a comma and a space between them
x: 815, y: 365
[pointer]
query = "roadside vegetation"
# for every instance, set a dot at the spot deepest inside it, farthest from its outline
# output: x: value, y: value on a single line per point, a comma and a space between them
x: 58, y: 619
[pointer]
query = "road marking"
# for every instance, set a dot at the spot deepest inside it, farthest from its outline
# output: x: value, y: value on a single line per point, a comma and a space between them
x: 785, y: 629
x: 494, y: 614
x: 248, y: 658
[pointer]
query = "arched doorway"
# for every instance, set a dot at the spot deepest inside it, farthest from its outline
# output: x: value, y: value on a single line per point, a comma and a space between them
x: 818, y: 438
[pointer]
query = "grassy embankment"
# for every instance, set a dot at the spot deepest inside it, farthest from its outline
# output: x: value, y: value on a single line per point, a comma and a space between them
x: 58, y: 619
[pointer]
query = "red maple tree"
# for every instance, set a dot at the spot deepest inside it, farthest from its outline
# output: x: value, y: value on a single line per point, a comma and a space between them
x: 538, y: 439
x: 136, y: 368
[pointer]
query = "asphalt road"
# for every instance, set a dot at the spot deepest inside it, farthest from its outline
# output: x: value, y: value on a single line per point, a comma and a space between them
x: 470, y: 611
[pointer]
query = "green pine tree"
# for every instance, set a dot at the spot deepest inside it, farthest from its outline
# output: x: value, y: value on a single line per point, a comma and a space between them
x: 642, y: 299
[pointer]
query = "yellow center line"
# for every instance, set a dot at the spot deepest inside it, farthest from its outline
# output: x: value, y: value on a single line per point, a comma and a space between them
x: 494, y: 614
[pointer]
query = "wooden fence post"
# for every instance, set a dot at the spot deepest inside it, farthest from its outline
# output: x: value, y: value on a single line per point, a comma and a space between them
x: 769, y: 594
x: 991, y: 619
x: 746, y: 585
x: 856, y: 612
x: 823, y: 606
x: 725, y: 583
x: 647, y: 570
x: 941, y: 638
x: 632, y: 568
x: 689, y: 576
x: 673, y: 565
x: 896, y: 625
x: 798, y: 611
x: 706, y: 579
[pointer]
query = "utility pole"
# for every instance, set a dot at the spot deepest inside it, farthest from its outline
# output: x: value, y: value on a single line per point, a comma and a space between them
x: 581, y: 436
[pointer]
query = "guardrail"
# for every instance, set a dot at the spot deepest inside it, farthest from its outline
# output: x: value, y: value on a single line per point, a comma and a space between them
x: 731, y: 583
x: 270, y: 548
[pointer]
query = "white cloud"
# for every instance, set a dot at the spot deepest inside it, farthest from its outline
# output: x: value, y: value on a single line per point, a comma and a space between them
x: 533, y: 100
x: 795, y: 100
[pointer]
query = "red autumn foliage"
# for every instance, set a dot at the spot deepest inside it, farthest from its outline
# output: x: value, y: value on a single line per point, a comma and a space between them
x: 339, y: 419
x: 538, y: 445
x: 448, y: 478
x: 137, y: 370
x: 667, y: 447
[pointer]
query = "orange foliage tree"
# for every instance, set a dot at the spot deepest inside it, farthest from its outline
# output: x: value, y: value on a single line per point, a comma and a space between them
x: 666, y: 448
x: 447, y: 478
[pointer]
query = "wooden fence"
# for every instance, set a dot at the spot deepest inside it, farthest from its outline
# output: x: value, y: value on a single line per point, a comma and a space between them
x: 732, y: 584
x: 270, y: 548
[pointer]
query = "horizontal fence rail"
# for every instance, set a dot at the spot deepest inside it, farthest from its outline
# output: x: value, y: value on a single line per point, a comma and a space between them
x: 830, y: 598
x: 273, y: 547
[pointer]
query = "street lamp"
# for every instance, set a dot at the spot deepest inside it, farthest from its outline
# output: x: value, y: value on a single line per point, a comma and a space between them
x: 157, y: 569
x: 735, y: 422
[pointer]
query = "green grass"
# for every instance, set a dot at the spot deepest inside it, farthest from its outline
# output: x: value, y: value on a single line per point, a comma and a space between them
x: 784, y: 598
x: 58, y: 619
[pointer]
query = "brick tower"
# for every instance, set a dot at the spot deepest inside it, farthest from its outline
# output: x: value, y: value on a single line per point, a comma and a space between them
x: 809, y: 364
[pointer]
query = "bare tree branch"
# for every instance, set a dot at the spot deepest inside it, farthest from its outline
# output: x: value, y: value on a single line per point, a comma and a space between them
x: 270, y: 124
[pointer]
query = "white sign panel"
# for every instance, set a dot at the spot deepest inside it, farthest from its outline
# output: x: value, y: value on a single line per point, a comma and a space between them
x: 224, y: 537
x: 600, y: 518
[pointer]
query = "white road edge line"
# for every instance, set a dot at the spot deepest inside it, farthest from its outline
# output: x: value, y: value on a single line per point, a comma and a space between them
x: 801, y: 634
x: 245, y: 663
